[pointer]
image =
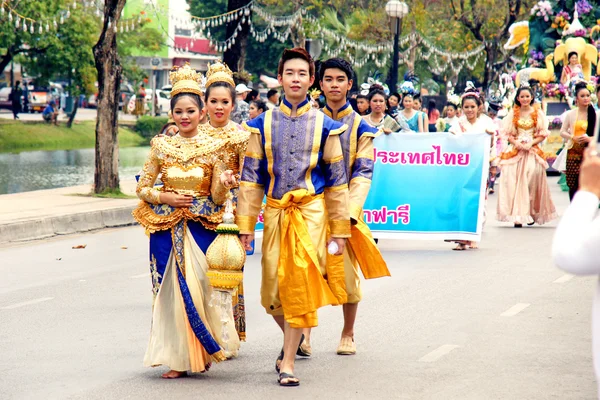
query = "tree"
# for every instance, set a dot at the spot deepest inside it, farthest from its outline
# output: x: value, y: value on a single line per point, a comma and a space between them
x: 68, y: 54
x: 234, y: 57
x: 106, y: 175
x: 15, y: 42
x: 488, y: 21
x: 144, y: 38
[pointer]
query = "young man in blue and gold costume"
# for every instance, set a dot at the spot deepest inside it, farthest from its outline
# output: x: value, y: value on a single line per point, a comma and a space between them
x: 335, y: 78
x: 294, y: 156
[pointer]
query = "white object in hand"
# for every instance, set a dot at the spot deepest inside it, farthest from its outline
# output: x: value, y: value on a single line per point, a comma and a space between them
x: 332, y: 248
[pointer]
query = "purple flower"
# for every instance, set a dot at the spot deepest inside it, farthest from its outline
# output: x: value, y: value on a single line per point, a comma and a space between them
x: 557, y: 121
x: 583, y: 7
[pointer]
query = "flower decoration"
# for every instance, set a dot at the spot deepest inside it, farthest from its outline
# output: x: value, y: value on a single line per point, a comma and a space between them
x: 314, y: 93
x: 583, y: 7
x: 543, y: 9
x: 556, y: 123
x: 407, y: 87
x: 365, y: 88
x: 554, y: 90
x: 453, y: 98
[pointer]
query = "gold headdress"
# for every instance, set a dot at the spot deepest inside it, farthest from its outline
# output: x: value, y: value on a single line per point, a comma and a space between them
x: 185, y: 80
x: 219, y: 72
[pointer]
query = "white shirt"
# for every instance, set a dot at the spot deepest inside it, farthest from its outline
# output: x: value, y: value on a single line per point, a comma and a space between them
x: 576, y: 250
x: 463, y: 126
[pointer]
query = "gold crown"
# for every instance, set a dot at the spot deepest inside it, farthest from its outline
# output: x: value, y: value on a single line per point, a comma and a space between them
x: 185, y: 80
x: 219, y: 72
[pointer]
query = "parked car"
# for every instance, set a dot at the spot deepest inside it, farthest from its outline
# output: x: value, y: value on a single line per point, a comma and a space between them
x: 125, y: 93
x: 163, y: 101
x: 5, y: 101
x: 92, y: 101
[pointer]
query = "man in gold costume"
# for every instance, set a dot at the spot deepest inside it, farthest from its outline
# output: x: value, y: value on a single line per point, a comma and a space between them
x: 335, y: 78
x: 294, y: 156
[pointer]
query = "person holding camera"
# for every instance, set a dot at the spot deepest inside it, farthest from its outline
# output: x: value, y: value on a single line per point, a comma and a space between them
x: 575, y: 248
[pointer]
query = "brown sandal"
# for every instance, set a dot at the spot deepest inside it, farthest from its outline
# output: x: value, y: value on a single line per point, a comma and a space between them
x: 460, y: 247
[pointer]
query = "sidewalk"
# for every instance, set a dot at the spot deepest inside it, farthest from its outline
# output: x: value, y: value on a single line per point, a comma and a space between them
x: 83, y: 114
x: 46, y: 213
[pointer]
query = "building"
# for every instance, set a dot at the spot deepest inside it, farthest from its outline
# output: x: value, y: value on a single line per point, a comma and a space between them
x: 170, y: 17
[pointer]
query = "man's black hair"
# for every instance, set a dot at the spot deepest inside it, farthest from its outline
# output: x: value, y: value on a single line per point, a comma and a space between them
x: 271, y: 92
x: 338, y: 63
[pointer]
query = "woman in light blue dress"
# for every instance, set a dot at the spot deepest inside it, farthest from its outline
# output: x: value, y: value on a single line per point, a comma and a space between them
x: 410, y: 116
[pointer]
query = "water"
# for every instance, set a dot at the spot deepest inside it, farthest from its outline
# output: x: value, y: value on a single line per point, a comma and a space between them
x: 35, y: 170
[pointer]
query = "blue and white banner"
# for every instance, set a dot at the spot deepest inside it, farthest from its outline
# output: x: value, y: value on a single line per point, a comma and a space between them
x: 428, y: 186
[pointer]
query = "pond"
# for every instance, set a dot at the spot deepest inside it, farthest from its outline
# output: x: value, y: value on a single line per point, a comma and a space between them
x: 35, y: 170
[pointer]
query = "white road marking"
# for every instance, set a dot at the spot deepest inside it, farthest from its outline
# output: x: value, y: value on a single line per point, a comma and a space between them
x: 564, y: 278
x: 514, y: 310
x: 438, y: 353
x: 146, y: 275
x: 82, y: 280
x: 27, y: 303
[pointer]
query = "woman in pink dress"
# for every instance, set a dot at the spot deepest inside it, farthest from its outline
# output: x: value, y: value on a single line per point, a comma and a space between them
x: 524, y: 196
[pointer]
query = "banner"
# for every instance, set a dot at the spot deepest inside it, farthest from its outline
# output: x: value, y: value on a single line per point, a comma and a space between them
x: 428, y: 186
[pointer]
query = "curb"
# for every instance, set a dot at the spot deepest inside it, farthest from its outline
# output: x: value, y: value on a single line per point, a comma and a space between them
x: 66, y: 224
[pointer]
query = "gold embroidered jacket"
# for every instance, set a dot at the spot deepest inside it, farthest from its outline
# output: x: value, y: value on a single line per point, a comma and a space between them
x: 357, y: 145
x: 287, y: 153
x: 190, y: 166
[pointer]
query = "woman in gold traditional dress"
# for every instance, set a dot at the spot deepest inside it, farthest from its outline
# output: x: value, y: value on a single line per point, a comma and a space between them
x: 524, y: 196
x: 578, y: 129
x: 187, y: 331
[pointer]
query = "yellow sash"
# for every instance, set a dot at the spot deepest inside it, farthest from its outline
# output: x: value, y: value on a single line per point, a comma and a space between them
x: 365, y: 250
x: 302, y: 288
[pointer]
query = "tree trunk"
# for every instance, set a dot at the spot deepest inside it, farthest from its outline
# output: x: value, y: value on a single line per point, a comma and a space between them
x: 235, y: 58
x: 4, y: 61
x: 297, y: 35
x: 106, y: 175
x: 414, y: 42
x: 492, y: 51
x: 72, y: 115
x: 296, y: 31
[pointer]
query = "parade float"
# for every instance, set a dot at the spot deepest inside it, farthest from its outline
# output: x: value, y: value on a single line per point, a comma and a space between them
x: 555, y: 30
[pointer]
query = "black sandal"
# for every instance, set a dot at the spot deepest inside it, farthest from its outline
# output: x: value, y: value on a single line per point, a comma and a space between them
x: 300, y: 352
x: 279, y: 359
x: 291, y: 379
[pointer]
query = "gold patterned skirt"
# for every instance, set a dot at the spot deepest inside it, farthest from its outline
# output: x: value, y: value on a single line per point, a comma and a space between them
x: 574, y: 158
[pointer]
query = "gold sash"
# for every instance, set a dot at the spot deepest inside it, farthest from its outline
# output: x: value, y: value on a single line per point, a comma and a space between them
x: 365, y: 251
x: 302, y: 288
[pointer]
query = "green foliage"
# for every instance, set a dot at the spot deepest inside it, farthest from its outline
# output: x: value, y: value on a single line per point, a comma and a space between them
x: 66, y: 53
x: 145, y: 38
x: 18, y: 136
x: 14, y: 42
x: 149, y: 127
x: 208, y: 8
x: 112, y: 194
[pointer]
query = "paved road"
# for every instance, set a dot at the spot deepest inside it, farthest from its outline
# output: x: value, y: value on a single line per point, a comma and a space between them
x: 497, y: 323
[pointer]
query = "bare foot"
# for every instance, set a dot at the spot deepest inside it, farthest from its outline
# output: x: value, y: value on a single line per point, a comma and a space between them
x: 172, y: 374
x: 473, y: 245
